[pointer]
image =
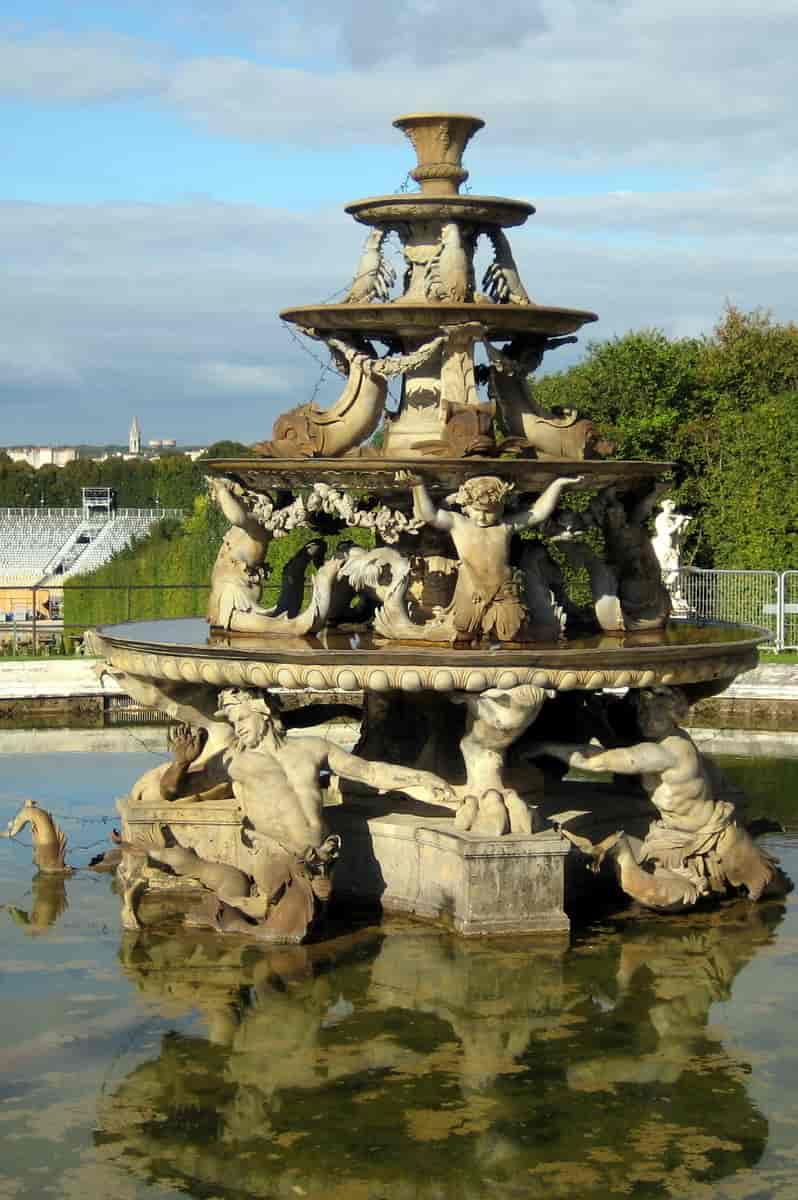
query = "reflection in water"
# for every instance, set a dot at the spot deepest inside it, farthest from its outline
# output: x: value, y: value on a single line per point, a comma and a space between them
x: 48, y: 903
x: 404, y: 1062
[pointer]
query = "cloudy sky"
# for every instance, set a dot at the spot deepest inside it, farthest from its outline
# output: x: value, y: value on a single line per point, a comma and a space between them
x: 174, y: 174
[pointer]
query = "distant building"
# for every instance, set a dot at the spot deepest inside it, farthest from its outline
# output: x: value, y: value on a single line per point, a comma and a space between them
x: 154, y: 443
x: 134, y: 437
x: 43, y: 456
x: 168, y: 442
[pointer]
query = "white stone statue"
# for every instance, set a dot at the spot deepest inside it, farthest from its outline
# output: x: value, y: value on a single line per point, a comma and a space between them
x: 671, y: 530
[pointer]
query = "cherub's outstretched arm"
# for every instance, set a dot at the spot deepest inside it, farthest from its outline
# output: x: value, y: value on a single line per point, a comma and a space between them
x: 234, y: 507
x: 545, y: 504
x: 423, y: 507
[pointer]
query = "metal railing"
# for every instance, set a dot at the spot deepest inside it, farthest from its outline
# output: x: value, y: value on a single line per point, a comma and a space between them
x: 789, y: 610
x: 768, y: 599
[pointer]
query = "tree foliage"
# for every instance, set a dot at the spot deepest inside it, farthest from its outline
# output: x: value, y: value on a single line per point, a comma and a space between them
x: 724, y: 409
x: 171, y: 481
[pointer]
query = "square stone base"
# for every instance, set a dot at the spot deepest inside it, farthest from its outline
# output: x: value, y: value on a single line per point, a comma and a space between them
x: 483, y: 885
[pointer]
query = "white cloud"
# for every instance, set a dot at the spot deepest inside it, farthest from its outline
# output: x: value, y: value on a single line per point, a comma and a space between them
x: 242, y: 379
x: 170, y: 311
x: 173, y: 308
x: 695, y: 85
x: 56, y: 68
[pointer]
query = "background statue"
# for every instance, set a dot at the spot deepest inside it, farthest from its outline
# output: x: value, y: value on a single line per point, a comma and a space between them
x: 670, y: 531
x: 696, y: 849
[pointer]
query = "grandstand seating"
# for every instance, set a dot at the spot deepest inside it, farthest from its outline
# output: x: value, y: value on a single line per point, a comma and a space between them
x: 47, y: 546
x: 112, y: 537
x: 29, y: 542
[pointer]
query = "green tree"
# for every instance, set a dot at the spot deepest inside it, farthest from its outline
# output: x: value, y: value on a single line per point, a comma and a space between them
x: 722, y: 408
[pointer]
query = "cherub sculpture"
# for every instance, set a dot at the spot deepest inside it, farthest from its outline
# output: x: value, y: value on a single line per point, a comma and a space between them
x: 237, y: 574
x: 696, y: 849
x: 487, y: 601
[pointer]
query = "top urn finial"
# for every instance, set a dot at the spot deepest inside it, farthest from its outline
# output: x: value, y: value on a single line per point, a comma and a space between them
x: 439, y: 140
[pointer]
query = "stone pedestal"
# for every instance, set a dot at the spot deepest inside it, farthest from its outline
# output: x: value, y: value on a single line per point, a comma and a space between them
x: 483, y: 885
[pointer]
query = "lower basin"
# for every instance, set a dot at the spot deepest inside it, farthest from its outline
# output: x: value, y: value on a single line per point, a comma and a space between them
x: 686, y: 652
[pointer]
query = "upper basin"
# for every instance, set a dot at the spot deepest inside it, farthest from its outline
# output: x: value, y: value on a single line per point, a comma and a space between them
x: 391, y: 211
x: 422, y: 318
x: 378, y: 475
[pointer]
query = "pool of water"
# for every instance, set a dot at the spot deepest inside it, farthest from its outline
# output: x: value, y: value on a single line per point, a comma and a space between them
x: 655, y: 1057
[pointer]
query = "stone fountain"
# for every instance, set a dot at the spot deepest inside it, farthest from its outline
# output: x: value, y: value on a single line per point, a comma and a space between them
x: 502, y: 620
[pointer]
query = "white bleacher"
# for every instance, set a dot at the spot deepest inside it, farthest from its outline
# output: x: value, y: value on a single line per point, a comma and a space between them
x: 129, y: 525
x: 31, y: 538
x: 50, y: 545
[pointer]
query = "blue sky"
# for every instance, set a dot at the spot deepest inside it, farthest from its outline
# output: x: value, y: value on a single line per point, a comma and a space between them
x: 174, y: 175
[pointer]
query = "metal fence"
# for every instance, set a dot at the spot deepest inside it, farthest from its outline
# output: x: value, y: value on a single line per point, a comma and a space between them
x: 789, y: 609
x: 768, y: 599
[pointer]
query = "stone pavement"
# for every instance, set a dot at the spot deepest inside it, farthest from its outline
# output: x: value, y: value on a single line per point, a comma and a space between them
x: 778, y: 681
x: 40, y: 677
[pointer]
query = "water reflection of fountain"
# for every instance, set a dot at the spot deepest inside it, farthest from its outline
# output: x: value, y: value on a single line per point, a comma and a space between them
x: 402, y: 1062
x: 48, y: 903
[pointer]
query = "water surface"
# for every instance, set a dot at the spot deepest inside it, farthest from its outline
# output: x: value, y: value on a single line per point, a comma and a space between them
x: 654, y: 1058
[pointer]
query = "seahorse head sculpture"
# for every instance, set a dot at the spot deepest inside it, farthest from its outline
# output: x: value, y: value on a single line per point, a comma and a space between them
x: 49, y: 842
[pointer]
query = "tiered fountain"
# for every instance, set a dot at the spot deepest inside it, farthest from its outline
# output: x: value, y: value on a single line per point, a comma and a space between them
x: 460, y: 625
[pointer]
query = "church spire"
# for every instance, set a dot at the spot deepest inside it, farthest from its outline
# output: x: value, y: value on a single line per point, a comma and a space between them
x: 134, y: 437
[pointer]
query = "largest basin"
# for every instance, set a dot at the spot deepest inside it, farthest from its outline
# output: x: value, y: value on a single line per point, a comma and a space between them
x: 686, y: 652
